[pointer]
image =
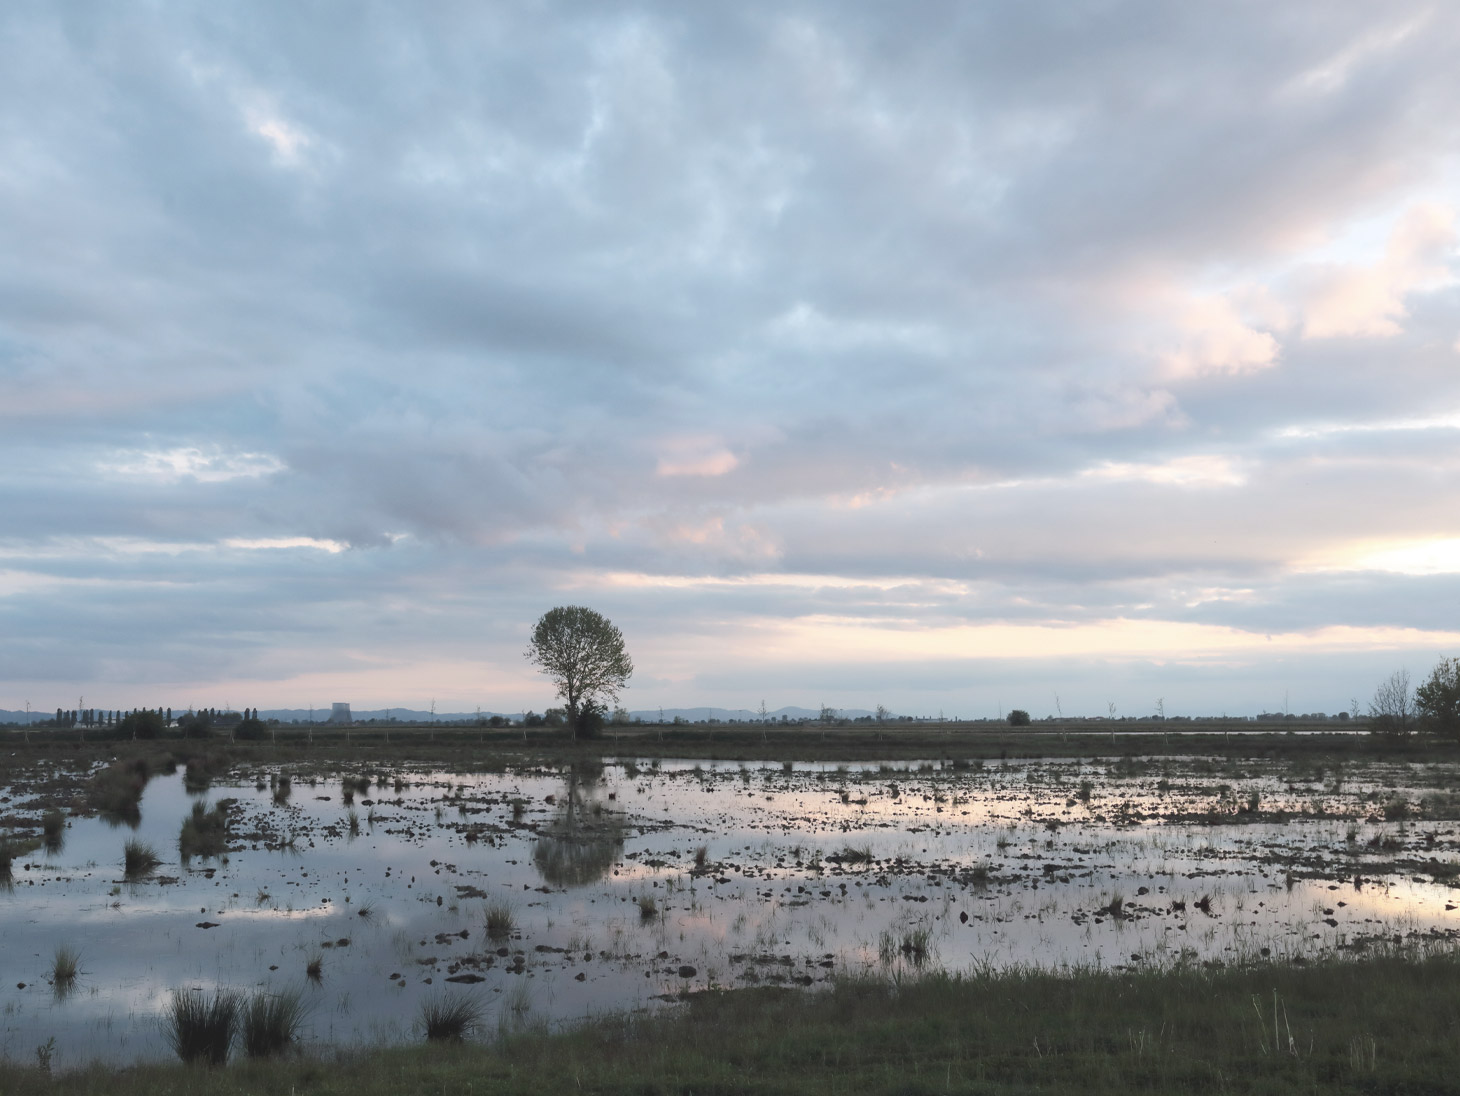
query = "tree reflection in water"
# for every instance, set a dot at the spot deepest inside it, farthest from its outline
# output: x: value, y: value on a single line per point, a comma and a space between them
x: 582, y: 843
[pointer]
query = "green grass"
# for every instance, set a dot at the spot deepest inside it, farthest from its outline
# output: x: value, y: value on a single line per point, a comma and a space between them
x: 1386, y: 1024
x: 269, y: 1022
x: 202, y: 1028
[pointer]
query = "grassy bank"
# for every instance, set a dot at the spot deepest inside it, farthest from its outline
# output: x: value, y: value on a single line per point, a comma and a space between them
x: 742, y: 742
x: 1388, y: 1024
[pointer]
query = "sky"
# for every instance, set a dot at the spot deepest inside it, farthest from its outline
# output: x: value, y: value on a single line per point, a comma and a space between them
x: 951, y: 357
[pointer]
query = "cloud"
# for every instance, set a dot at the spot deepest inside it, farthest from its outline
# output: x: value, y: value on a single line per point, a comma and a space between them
x: 1215, y: 339
x: 695, y: 457
x: 1370, y: 300
x: 172, y: 465
x: 808, y: 312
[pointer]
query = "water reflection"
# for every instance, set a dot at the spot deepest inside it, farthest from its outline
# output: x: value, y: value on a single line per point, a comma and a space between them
x: 585, y: 839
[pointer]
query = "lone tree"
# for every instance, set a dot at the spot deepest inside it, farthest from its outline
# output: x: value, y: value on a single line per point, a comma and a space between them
x: 584, y: 655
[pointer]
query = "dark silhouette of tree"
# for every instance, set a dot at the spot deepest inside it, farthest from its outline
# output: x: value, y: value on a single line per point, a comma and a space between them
x: 584, y: 655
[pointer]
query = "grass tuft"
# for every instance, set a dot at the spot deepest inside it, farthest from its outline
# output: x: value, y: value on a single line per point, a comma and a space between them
x: 204, y: 832
x: 270, y: 1022
x: 648, y: 908
x: 314, y: 967
x: 202, y: 1028
x: 500, y: 921
x: 448, y: 1019
x: 139, y: 859
x: 65, y: 965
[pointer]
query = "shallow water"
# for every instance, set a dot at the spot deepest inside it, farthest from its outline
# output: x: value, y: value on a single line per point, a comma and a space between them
x: 968, y: 867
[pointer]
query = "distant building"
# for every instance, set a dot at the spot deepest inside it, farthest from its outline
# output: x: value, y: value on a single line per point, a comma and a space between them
x: 340, y: 713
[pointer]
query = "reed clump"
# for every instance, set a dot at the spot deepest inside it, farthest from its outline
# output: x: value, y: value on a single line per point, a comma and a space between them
x: 139, y: 859
x: 270, y: 1022
x: 448, y: 1019
x: 501, y: 921
x: 204, y: 832
x: 65, y: 966
x: 116, y: 791
x: 201, y: 1028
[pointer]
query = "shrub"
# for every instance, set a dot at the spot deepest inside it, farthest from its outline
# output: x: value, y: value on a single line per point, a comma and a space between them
x: 251, y: 729
x: 590, y: 721
x: 1018, y: 718
x: 201, y: 1028
x: 142, y: 724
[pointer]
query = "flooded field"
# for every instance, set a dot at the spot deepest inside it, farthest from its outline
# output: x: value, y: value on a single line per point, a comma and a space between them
x: 554, y: 894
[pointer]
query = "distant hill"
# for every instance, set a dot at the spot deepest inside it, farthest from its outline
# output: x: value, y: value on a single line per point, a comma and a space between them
x: 724, y: 715
x: 7, y: 716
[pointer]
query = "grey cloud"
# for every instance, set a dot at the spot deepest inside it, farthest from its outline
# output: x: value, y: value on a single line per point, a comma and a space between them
x: 469, y: 274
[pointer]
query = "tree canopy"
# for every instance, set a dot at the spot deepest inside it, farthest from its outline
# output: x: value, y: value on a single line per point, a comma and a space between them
x: 1438, y: 700
x: 583, y: 653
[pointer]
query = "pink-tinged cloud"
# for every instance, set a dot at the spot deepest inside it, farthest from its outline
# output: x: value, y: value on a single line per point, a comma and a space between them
x: 695, y: 458
x: 1371, y: 300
